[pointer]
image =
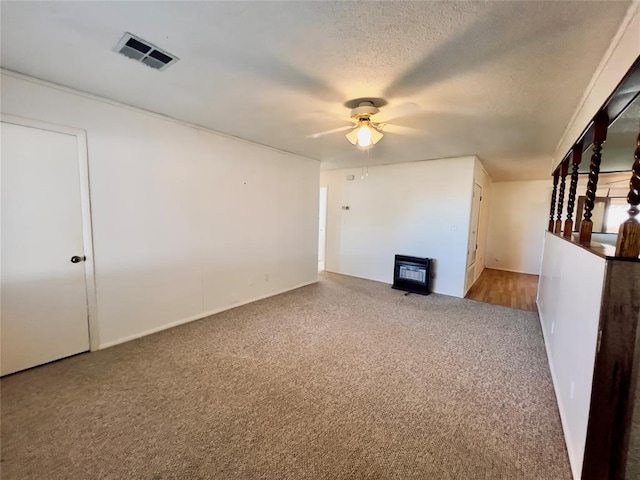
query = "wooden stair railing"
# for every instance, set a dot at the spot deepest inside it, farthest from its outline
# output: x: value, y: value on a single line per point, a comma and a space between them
x: 563, y: 185
x: 617, y: 352
x: 573, y: 187
x: 553, y: 200
x: 628, y: 245
x: 601, y: 123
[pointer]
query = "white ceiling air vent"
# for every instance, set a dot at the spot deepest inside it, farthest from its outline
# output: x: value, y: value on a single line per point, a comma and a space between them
x: 145, y: 52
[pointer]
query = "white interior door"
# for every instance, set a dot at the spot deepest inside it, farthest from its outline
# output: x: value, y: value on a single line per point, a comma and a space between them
x: 475, y: 221
x: 44, y: 313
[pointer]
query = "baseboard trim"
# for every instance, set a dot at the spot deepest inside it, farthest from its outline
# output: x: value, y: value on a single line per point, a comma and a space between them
x: 391, y: 283
x: 512, y: 270
x: 565, y: 428
x: 199, y: 316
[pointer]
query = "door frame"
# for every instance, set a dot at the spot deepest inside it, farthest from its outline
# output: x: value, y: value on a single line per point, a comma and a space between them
x: 469, y: 280
x: 85, y: 205
x: 477, y: 220
x: 326, y: 218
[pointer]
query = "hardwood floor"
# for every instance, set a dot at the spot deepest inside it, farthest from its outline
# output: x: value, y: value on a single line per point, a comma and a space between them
x: 516, y: 290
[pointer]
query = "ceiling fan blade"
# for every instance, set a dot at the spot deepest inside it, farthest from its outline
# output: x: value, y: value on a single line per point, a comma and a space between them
x: 399, y: 129
x: 402, y: 110
x: 334, y: 130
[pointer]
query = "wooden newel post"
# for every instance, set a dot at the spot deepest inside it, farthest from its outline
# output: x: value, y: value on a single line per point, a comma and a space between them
x: 628, y: 245
x: 573, y: 187
x: 553, y: 200
x: 601, y: 123
x: 563, y: 185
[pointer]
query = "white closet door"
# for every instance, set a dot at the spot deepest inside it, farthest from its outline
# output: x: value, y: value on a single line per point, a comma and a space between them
x: 44, y: 299
x: 475, y: 220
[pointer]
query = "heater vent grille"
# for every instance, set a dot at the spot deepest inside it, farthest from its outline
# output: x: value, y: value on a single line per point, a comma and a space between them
x: 144, y: 52
x: 412, y: 274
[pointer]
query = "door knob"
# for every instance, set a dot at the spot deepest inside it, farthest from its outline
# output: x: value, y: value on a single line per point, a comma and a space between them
x: 77, y: 259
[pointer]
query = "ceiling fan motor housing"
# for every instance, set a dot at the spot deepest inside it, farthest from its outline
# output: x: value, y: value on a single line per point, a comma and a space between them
x: 364, y: 111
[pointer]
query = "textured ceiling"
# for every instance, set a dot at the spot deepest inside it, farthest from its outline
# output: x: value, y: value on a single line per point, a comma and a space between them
x: 495, y: 79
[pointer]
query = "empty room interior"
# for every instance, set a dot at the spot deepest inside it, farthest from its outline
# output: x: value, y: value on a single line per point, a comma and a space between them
x: 320, y: 240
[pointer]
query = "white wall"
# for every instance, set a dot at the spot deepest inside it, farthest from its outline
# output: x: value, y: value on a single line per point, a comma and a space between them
x: 569, y: 297
x: 186, y: 222
x: 419, y: 208
x: 518, y: 219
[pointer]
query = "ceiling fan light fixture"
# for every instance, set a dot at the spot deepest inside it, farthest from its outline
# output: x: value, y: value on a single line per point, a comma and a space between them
x: 364, y: 135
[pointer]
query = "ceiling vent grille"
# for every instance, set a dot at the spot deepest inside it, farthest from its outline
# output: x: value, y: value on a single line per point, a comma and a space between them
x: 144, y: 52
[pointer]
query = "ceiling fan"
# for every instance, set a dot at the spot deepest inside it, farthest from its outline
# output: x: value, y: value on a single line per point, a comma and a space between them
x: 369, y: 123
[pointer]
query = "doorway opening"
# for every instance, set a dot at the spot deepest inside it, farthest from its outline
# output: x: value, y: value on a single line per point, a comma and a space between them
x: 322, y: 229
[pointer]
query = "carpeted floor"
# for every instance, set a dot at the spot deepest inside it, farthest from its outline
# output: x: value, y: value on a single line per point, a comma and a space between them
x: 344, y: 379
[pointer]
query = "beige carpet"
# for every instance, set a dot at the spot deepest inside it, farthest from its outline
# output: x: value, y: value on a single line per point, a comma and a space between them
x: 345, y: 379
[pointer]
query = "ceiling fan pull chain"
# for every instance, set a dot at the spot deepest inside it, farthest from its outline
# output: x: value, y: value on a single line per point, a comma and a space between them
x: 368, y: 155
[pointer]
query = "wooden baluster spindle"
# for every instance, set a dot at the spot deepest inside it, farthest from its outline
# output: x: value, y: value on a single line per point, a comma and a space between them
x: 553, y: 200
x: 628, y: 245
x: 563, y: 185
x: 573, y: 187
x: 599, y: 136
